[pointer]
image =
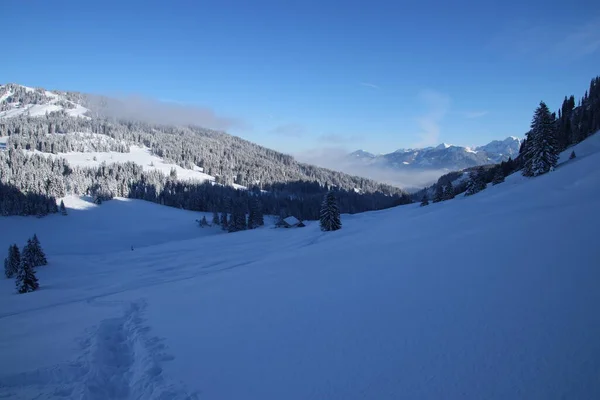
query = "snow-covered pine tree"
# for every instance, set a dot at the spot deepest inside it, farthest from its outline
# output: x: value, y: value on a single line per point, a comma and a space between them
x: 476, y: 182
x: 63, y: 209
x: 26, y: 280
x: 573, y: 155
x: 448, y: 191
x: 439, y: 193
x: 542, y: 152
x: 215, y: 218
x: 498, y: 176
x: 425, y: 200
x: 12, y: 262
x: 330, y: 213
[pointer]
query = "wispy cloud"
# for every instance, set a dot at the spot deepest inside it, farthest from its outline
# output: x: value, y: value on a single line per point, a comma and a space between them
x: 288, y: 130
x: 475, y: 114
x: 336, y: 158
x: 370, y: 85
x: 525, y: 38
x: 339, y: 139
x: 581, y: 41
x: 165, y: 111
x: 437, y: 105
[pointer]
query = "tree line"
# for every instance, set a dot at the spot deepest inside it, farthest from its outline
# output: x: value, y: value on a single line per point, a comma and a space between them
x: 42, y: 179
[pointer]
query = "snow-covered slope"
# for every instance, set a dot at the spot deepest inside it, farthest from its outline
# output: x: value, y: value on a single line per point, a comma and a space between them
x: 443, y: 156
x: 492, y: 296
x: 137, y: 155
x: 16, y: 100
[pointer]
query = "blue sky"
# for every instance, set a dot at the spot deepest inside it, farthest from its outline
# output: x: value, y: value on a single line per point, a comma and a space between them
x: 299, y: 76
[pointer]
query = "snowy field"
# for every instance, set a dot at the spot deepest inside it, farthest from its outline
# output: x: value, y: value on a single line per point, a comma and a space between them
x: 493, y: 296
x: 139, y: 155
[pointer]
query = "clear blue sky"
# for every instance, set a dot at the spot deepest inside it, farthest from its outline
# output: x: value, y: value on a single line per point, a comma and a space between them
x: 377, y: 75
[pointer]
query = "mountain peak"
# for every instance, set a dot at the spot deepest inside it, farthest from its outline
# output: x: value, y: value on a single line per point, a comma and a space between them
x: 445, y: 156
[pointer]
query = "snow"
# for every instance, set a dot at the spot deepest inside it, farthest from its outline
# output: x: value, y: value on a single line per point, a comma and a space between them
x: 504, y: 307
x: 37, y: 110
x: 139, y: 155
x: 291, y: 220
x: 5, y: 96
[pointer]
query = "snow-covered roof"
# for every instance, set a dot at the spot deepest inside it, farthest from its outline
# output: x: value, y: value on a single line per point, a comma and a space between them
x: 291, y: 220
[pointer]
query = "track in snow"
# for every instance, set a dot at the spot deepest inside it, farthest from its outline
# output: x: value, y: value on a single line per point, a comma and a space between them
x: 119, y: 360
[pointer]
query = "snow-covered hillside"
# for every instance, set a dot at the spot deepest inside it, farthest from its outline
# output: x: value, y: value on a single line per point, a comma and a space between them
x: 138, y: 155
x: 16, y: 100
x: 492, y: 296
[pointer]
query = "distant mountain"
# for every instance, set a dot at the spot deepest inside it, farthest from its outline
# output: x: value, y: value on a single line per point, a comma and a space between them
x: 443, y: 156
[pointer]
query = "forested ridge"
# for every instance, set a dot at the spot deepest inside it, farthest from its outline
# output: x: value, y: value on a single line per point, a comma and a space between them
x: 282, y: 185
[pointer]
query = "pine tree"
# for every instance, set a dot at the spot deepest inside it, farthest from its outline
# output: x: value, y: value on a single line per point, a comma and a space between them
x: 255, y: 215
x: 215, y: 218
x: 330, y: 213
x: 12, y: 262
x: 476, y: 182
x: 63, y: 209
x: 448, y: 193
x: 439, y: 193
x: 26, y: 280
x: 498, y: 176
x: 237, y: 221
x: 424, y: 201
x: 543, y: 149
x: 39, y: 257
x: 203, y: 221
x: 572, y: 156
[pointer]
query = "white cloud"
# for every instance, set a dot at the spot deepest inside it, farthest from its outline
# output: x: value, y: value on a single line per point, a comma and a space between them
x: 336, y: 158
x: 437, y: 105
x: 475, y: 114
x: 370, y: 85
x: 162, y: 112
x: 288, y: 130
x: 538, y: 41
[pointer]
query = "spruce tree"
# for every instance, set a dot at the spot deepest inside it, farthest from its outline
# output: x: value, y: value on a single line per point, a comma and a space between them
x: 330, y: 213
x: 424, y: 201
x: 255, y: 215
x: 203, y: 221
x: 498, y: 176
x: 573, y: 155
x: 215, y: 218
x: 39, y: 257
x: 237, y: 221
x: 448, y: 191
x: 542, y: 152
x: 12, y: 262
x: 26, y: 280
x: 63, y: 209
x: 476, y: 182
x: 439, y: 193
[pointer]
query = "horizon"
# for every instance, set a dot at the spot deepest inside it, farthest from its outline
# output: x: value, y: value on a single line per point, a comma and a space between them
x: 305, y: 78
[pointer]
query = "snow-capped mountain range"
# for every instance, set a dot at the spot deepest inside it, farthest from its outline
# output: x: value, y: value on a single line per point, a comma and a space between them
x: 443, y: 156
